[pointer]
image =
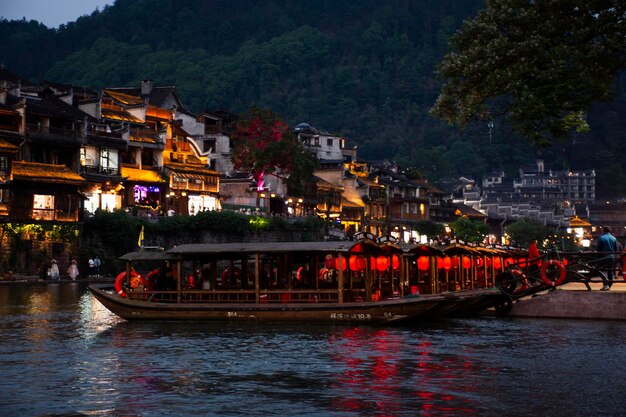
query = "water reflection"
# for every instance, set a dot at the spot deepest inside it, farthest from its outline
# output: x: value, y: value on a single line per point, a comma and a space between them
x: 76, y: 357
x: 377, y: 365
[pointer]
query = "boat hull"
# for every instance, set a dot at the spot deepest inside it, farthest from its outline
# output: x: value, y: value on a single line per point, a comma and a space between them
x: 398, y: 311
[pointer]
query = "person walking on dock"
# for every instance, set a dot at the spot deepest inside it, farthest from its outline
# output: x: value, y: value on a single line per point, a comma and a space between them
x: 72, y: 271
x: 607, y: 244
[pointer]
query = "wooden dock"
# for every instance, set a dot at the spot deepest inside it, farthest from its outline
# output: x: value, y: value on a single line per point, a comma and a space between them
x: 574, y: 301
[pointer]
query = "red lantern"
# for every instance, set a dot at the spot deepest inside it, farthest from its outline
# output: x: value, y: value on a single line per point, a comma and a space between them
x: 447, y: 263
x: 381, y: 263
x: 489, y: 262
x: 522, y: 262
x: 422, y: 263
x: 439, y: 262
x: 352, y: 263
x: 361, y: 263
x: 466, y: 262
x: 329, y: 262
x: 455, y: 262
x: 372, y: 263
x: 497, y: 262
x: 343, y: 264
x: 479, y: 262
x: 509, y: 261
x: 395, y: 262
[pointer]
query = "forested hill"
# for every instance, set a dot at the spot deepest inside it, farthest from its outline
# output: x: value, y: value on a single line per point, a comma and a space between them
x: 364, y: 69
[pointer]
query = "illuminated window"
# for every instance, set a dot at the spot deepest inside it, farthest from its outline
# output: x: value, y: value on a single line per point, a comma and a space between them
x: 43, y: 207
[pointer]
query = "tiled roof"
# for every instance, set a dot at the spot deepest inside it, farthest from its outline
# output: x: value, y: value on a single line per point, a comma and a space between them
x: 34, y: 171
x: 7, y: 146
x: 119, y: 115
x: 55, y: 107
x: 191, y: 169
x: 123, y: 97
x: 141, y: 175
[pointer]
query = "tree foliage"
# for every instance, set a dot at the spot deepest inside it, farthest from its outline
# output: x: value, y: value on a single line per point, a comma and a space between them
x: 469, y: 230
x: 538, y: 64
x: 526, y: 230
x: 264, y: 144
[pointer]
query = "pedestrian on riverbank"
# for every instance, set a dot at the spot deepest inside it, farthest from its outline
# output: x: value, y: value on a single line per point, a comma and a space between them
x: 72, y: 271
x: 96, y: 263
x: 54, y: 271
x: 92, y: 267
x: 607, y: 244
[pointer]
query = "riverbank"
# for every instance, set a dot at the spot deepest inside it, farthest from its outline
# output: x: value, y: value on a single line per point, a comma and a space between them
x: 574, y: 301
x: 35, y: 279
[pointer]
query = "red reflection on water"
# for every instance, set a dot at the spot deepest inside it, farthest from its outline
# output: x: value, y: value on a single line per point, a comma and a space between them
x: 380, y: 368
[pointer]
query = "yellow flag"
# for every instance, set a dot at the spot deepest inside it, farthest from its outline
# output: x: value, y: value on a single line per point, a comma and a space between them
x: 140, y: 241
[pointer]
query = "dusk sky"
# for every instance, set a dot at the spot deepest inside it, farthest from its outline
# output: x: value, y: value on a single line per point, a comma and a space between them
x: 51, y: 13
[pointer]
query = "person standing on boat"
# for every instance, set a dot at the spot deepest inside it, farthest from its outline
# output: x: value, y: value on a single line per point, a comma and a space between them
x: 72, y: 271
x: 96, y: 265
x: 533, y: 259
x: 607, y: 244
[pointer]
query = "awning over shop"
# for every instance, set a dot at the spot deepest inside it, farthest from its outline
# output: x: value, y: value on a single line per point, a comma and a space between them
x: 191, y: 172
x: 7, y: 146
x: 141, y: 175
x: 50, y: 173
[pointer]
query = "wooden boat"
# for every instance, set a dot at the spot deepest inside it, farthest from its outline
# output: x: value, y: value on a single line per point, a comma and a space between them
x: 322, y: 282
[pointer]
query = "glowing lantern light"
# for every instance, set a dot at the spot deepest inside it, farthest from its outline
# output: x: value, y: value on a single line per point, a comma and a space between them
x: 395, y: 262
x: 466, y: 262
x: 372, y: 263
x: 522, y: 262
x: 422, y: 263
x: 479, y: 262
x: 361, y: 263
x: 509, y: 261
x: 381, y: 263
x: 455, y: 262
x: 447, y: 263
x: 497, y: 262
x: 343, y: 264
x: 439, y: 262
x: 352, y: 263
x: 565, y: 261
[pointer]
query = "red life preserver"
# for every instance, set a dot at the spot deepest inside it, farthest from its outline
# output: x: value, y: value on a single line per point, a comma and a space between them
x: 325, y: 274
x: 544, y: 277
x: 226, y: 275
x: 151, y: 276
x: 135, y: 280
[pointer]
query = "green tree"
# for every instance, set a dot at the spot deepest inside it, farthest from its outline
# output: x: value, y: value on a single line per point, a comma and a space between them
x: 525, y: 230
x: 469, y: 230
x: 538, y: 64
x: 265, y: 145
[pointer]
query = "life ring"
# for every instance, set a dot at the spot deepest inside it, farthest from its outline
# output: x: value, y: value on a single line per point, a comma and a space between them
x: 326, y: 274
x: 544, y: 276
x: 151, y: 277
x: 135, y: 280
x: 299, y: 274
x: 226, y: 275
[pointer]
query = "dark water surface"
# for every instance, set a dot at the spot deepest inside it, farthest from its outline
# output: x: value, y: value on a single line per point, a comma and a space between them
x: 63, y: 354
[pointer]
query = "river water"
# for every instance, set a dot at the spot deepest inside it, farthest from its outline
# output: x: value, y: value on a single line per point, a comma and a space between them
x: 63, y: 354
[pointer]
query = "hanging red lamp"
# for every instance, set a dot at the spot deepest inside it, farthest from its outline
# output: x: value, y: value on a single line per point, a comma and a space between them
x: 423, y: 263
x: 381, y: 263
x: 447, y: 263
x: 395, y: 262
x: 343, y: 264
x: 466, y: 262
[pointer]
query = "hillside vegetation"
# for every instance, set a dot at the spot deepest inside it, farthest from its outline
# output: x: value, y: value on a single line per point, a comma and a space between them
x: 363, y: 69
